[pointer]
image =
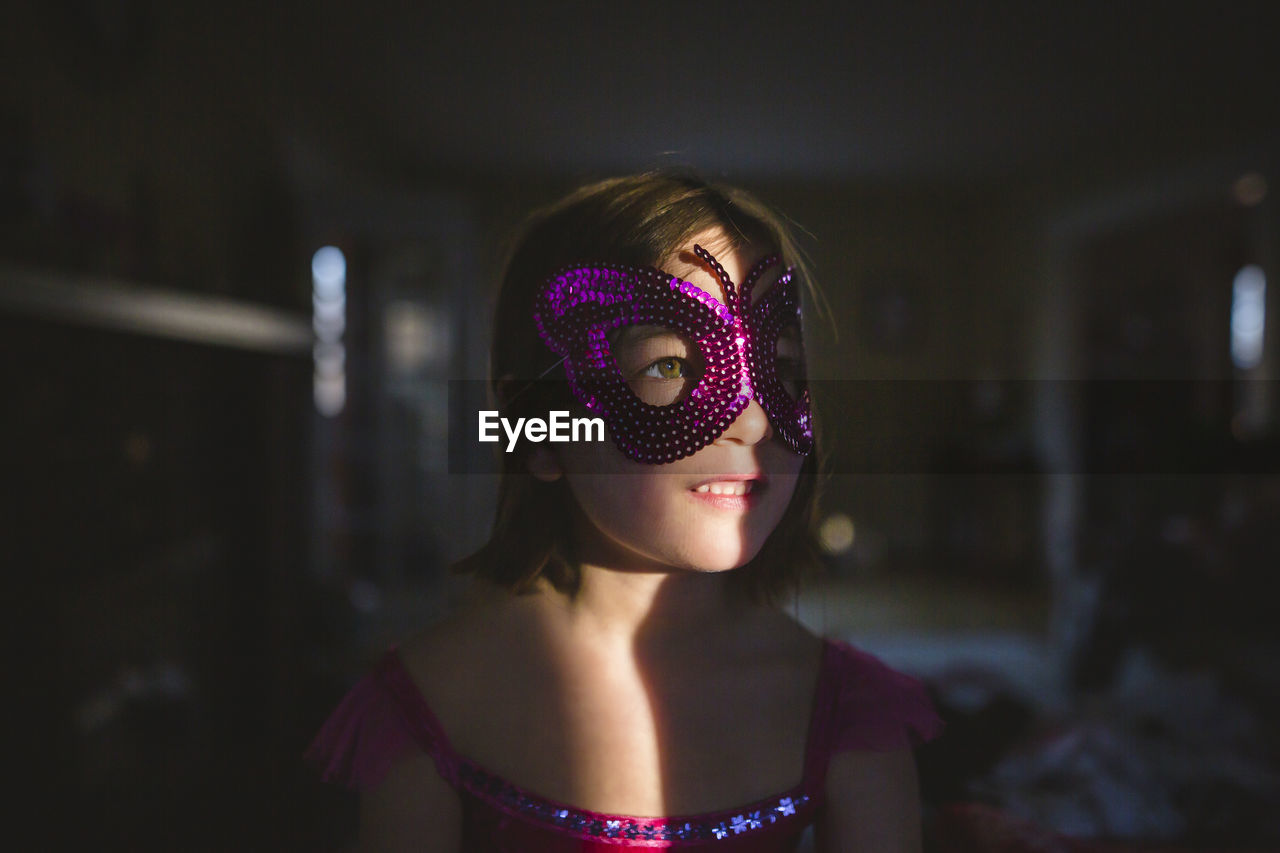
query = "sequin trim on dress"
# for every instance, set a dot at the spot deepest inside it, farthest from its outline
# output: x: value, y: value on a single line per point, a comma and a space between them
x: 721, y: 825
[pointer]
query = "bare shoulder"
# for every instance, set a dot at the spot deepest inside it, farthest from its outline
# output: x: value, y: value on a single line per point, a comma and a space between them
x: 412, y: 809
x: 873, y: 803
x: 463, y: 664
x: 438, y: 651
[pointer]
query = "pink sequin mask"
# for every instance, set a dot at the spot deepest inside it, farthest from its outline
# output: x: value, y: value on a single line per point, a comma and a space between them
x: 731, y: 352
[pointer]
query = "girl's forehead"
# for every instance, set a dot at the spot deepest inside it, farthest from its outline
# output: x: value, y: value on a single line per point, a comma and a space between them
x: 737, y: 261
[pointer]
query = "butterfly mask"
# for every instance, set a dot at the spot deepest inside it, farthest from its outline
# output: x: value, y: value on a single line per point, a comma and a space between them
x: 666, y: 364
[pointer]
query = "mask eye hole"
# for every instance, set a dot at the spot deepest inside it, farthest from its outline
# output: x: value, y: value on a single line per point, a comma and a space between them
x: 660, y: 366
x: 789, y: 360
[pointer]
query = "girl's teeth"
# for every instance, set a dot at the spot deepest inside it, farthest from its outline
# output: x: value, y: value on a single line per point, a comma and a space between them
x: 737, y: 489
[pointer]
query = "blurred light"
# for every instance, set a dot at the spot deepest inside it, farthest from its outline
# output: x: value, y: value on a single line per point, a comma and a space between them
x: 329, y: 307
x: 166, y: 681
x: 1250, y: 189
x: 329, y: 320
x: 329, y: 273
x: 331, y: 359
x: 329, y: 325
x: 329, y: 393
x: 1248, y: 316
x: 110, y: 304
x: 836, y: 533
x: 417, y: 336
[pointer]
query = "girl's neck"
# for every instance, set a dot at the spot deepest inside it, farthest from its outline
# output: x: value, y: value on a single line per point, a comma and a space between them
x: 651, y: 612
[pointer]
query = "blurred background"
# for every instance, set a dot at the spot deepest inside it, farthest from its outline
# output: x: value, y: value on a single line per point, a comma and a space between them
x: 246, y: 246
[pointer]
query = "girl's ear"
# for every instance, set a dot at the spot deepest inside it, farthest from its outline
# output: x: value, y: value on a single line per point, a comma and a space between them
x: 544, y: 465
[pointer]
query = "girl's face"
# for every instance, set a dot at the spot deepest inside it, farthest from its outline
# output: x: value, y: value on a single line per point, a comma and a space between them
x: 710, y: 511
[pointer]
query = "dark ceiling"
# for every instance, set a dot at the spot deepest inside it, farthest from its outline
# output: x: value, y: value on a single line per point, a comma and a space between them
x: 888, y: 90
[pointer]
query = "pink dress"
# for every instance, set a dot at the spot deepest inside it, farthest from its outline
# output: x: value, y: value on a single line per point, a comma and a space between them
x: 860, y: 704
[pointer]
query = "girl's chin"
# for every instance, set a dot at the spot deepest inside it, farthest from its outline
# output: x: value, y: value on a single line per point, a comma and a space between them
x: 715, y: 563
x: 714, y: 569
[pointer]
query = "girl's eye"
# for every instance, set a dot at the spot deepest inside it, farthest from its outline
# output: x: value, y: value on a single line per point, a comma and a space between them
x: 660, y: 365
x: 791, y: 374
x: 790, y: 368
x: 671, y: 367
x: 789, y: 360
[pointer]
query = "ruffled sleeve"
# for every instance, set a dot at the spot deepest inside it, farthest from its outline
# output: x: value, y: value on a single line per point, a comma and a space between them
x: 874, y: 707
x: 381, y: 721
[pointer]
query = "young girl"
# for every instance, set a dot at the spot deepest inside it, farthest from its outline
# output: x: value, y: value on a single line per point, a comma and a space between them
x: 623, y: 678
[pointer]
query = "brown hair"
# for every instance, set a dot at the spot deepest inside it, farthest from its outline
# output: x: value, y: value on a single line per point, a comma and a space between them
x: 639, y: 219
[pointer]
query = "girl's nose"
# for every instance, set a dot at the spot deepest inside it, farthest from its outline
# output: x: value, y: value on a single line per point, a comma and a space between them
x: 750, y: 427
